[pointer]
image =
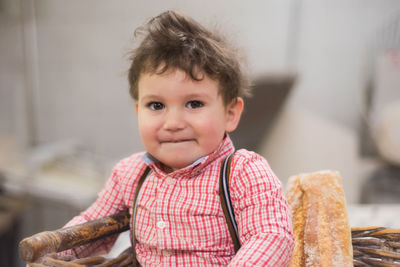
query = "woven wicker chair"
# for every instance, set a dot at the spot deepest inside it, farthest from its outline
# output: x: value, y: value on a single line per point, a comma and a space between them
x: 372, y: 246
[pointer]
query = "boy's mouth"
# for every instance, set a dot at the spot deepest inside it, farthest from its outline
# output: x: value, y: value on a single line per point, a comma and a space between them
x: 175, y: 141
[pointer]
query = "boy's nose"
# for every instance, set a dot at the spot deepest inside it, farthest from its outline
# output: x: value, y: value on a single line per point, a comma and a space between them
x: 174, y: 120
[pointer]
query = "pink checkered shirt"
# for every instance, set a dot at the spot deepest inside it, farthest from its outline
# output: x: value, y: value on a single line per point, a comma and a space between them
x: 180, y: 221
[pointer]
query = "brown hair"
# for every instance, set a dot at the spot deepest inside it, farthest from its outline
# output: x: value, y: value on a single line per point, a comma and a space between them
x: 175, y: 41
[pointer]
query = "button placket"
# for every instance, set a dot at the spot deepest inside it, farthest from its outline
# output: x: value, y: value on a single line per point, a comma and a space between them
x: 169, y: 181
x: 161, y: 224
x: 167, y: 252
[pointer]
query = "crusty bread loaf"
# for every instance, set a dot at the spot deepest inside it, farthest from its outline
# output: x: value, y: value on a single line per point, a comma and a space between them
x: 321, y: 227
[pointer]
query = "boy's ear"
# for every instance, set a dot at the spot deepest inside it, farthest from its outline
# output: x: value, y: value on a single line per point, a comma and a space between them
x: 233, y: 114
x: 136, y: 107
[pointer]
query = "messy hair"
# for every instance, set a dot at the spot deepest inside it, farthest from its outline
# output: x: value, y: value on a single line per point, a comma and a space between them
x: 175, y: 41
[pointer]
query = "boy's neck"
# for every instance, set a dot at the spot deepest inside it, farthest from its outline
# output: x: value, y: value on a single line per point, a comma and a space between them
x: 166, y: 169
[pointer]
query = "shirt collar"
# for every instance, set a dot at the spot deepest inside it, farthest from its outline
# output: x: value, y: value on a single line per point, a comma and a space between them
x: 224, y: 149
x: 148, y: 159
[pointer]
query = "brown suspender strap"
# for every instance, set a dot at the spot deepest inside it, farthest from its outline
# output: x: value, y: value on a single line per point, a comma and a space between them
x: 226, y: 202
x: 133, y: 217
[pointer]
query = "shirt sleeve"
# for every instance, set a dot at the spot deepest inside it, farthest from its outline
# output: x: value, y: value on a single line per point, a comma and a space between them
x: 262, y: 214
x: 110, y: 201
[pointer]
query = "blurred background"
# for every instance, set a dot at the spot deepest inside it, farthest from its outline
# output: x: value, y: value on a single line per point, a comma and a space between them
x: 326, y: 78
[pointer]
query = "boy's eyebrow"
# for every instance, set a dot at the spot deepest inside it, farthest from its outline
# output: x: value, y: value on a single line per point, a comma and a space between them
x: 150, y: 96
x: 194, y: 95
x: 158, y: 97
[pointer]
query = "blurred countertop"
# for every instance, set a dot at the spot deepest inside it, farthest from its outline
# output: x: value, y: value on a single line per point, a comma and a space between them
x: 57, y: 185
x: 386, y: 215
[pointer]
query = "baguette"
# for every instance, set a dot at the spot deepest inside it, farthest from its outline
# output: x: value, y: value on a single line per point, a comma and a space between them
x: 321, y: 227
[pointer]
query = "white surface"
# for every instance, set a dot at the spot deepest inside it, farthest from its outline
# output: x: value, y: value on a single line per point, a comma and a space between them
x: 374, y: 215
x: 120, y: 245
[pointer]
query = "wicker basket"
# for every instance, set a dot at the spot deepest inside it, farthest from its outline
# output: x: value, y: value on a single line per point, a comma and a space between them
x: 372, y: 246
x: 376, y: 246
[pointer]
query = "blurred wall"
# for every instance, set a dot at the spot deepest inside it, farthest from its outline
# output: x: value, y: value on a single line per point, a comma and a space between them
x: 81, y: 63
x: 319, y: 126
x: 335, y: 39
x: 63, y: 69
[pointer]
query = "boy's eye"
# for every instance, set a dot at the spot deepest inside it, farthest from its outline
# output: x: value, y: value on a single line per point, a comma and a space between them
x: 194, y: 104
x: 156, y: 105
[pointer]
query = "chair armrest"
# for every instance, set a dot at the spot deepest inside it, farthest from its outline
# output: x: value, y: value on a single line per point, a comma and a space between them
x: 38, y: 245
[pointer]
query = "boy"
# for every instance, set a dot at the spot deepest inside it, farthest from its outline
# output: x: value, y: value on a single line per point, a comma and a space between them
x: 188, y: 87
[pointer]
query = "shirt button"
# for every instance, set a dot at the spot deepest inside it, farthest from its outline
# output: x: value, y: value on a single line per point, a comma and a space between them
x: 169, y: 181
x: 161, y: 224
x: 167, y: 253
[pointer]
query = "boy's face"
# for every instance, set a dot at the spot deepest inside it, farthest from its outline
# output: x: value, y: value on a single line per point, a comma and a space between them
x: 181, y: 120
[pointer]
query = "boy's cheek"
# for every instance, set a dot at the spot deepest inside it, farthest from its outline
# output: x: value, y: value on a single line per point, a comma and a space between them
x: 211, y: 123
x: 145, y: 131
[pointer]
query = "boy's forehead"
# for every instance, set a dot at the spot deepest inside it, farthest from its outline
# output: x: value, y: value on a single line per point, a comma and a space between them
x: 162, y: 69
x: 177, y: 75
